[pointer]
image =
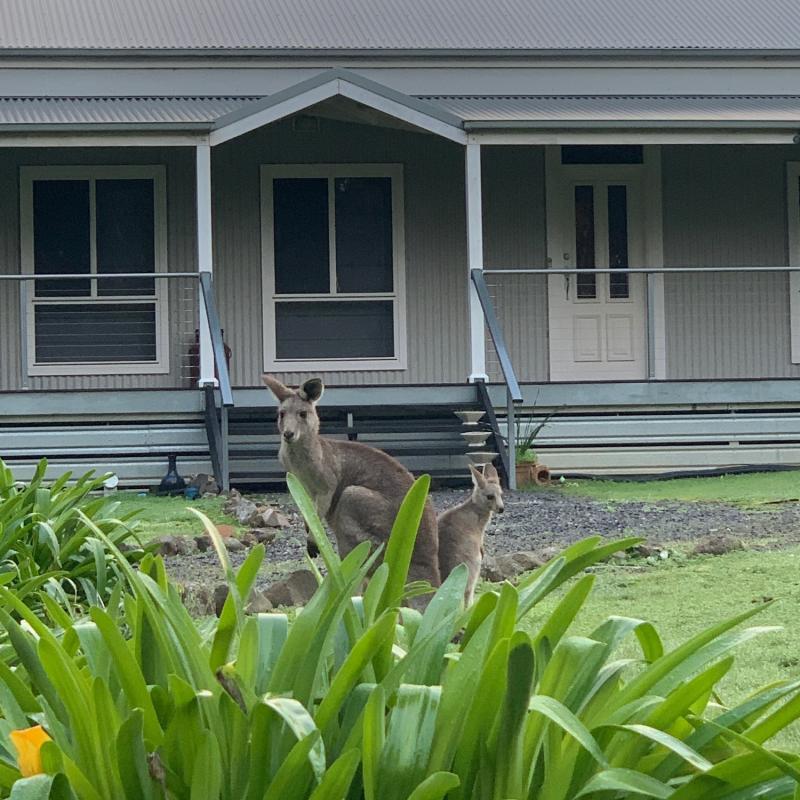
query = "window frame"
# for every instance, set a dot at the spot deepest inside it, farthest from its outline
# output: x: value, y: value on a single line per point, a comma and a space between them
x: 270, y: 172
x: 159, y: 299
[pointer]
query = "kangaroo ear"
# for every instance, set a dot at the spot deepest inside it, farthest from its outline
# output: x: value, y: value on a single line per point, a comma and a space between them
x: 280, y: 391
x: 311, y: 390
x: 477, y: 479
x: 490, y: 473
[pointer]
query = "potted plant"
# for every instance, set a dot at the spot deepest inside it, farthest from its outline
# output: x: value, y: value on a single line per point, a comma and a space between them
x: 529, y: 471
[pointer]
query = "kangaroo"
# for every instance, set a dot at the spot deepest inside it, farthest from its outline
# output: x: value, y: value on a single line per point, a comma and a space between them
x: 355, y: 488
x: 461, y: 528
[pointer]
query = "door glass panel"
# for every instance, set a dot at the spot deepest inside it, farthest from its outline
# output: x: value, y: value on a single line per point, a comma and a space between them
x: 584, y: 240
x: 364, y: 235
x: 302, y: 260
x: 619, y: 288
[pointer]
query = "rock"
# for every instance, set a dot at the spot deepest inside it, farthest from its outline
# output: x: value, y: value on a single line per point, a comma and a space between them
x: 205, y: 484
x: 259, y: 604
x: 202, y: 542
x: 220, y: 596
x: 647, y: 550
x: 234, y: 545
x: 239, y: 507
x: 262, y: 535
x: 248, y: 540
x: 226, y: 531
x: 296, y: 590
x: 175, y: 545
x: 717, y: 545
x: 267, y: 518
x: 510, y: 565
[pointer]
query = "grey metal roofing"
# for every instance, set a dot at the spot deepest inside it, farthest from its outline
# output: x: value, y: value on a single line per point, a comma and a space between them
x: 623, y: 108
x: 116, y: 110
x: 202, y: 112
x: 399, y: 25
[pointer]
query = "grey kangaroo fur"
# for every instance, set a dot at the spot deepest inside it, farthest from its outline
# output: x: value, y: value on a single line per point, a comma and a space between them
x: 462, y: 527
x: 356, y: 489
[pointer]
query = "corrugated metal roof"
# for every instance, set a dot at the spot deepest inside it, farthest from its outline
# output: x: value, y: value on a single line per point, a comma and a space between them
x: 116, y: 110
x: 631, y: 108
x: 531, y: 109
x: 406, y: 25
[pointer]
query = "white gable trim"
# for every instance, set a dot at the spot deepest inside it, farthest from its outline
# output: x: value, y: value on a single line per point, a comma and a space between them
x: 420, y: 113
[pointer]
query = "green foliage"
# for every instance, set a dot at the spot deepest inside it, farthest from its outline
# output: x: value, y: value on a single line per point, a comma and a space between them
x: 357, y: 698
x: 50, y: 555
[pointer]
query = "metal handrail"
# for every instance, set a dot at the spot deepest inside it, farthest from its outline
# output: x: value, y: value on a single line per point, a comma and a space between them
x: 513, y: 392
x: 217, y: 345
x: 630, y: 270
x: 496, y: 333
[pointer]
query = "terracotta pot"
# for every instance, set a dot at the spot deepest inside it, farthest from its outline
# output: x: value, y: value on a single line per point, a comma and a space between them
x: 531, y: 473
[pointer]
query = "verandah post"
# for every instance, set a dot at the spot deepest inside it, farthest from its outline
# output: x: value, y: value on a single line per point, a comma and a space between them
x: 475, y: 261
x: 205, y: 257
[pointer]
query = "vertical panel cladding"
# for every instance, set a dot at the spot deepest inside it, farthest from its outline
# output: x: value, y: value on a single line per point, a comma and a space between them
x: 515, y: 237
x: 435, y: 243
x: 179, y: 164
x: 726, y: 206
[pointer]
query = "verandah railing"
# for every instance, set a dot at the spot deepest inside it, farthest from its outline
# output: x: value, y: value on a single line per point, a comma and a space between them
x: 91, y: 328
x: 505, y: 324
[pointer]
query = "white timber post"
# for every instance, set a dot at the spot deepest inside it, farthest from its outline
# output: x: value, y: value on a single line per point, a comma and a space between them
x: 475, y: 261
x: 205, y: 257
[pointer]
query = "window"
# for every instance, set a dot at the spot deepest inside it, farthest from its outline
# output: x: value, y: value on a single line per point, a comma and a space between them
x: 95, y: 221
x: 333, y: 267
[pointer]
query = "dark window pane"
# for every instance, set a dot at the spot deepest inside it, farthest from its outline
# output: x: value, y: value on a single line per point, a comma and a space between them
x: 584, y: 240
x: 618, y: 240
x: 125, y: 219
x: 343, y: 329
x: 602, y: 154
x: 364, y: 234
x: 61, y: 236
x: 302, y: 260
x: 90, y: 333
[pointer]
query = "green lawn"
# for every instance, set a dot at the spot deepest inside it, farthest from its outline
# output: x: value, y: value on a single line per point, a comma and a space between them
x: 751, y: 489
x: 157, y: 516
x: 683, y: 596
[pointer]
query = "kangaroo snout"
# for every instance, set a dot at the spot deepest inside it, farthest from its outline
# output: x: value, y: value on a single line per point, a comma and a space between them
x: 288, y: 435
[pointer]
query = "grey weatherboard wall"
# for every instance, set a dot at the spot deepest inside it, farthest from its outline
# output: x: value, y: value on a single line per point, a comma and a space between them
x: 726, y: 206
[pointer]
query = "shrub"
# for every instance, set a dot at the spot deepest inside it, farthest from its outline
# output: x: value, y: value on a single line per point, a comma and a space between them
x: 47, y: 545
x: 355, y: 699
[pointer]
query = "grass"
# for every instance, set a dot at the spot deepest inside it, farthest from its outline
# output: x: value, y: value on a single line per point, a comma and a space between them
x: 752, y: 489
x: 159, y: 516
x: 682, y: 596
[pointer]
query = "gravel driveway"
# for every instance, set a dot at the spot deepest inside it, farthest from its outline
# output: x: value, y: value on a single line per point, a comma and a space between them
x: 533, y: 521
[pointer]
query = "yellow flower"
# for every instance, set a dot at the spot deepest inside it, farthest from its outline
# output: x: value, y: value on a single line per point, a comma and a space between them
x: 28, y: 742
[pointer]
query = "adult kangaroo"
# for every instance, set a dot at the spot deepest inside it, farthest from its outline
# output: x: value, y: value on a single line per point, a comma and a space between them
x: 355, y: 488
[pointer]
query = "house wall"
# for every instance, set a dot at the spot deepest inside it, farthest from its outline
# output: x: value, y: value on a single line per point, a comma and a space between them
x: 181, y: 258
x: 435, y: 238
x: 726, y: 206
x: 515, y: 237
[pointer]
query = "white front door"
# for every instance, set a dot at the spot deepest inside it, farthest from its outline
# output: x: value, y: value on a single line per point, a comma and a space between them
x: 596, y: 322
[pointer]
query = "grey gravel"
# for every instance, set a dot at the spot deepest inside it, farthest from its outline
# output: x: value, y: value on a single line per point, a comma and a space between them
x: 533, y: 521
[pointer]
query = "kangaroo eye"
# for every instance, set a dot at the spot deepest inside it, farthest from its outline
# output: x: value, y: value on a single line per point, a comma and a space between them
x: 303, y: 414
x: 281, y: 414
